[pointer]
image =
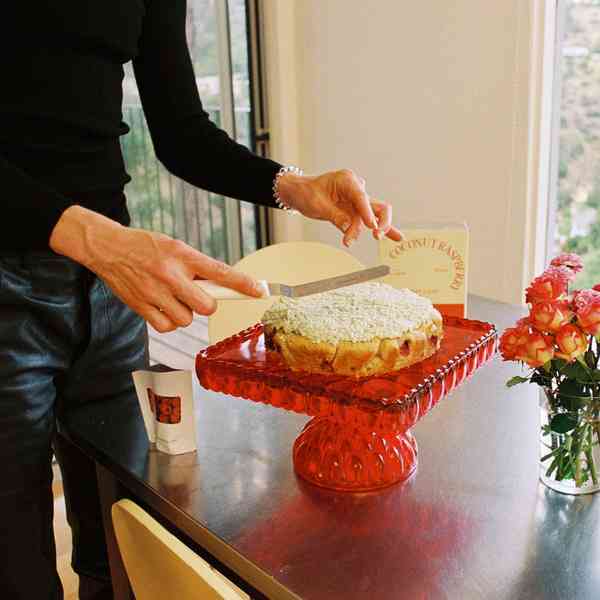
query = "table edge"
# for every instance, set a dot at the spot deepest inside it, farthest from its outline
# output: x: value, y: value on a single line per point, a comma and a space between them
x: 200, y: 534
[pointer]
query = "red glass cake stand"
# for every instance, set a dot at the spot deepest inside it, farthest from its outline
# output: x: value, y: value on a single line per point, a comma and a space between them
x: 359, y: 438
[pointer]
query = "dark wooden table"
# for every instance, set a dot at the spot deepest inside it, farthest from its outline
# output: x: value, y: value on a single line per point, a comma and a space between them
x: 472, y: 523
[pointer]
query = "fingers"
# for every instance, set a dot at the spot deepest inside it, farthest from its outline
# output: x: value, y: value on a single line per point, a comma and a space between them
x: 160, y: 304
x: 394, y: 234
x: 205, y: 267
x: 354, y: 189
x: 383, y: 212
x: 178, y: 313
x: 352, y: 227
x: 341, y: 220
x: 154, y: 276
x: 159, y: 320
x: 191, y: 295
x: 374, y: 214
x: 353, y: 232
x: 167, y: 314
x: 154, y: 316
x: 360, y: 199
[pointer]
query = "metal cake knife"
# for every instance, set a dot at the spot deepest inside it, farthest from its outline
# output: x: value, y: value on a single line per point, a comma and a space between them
x: 296, y: 291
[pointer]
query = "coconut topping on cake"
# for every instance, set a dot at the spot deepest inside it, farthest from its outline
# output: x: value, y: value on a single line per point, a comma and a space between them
x: 355, y: 313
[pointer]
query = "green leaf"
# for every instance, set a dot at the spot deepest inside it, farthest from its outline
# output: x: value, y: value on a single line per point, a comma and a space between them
x: 590, y: 359
x: 559, y: 363
x: 539, y: 379
x: 572, y: 395
x: 563, y: 422
x: 516, y: 380
x: 577, y: 371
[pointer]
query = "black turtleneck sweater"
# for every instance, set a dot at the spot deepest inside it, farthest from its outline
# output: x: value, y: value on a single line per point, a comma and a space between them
x: 61, y: 72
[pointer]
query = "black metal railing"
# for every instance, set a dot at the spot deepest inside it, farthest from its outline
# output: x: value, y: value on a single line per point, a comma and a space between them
x: 162, y: 202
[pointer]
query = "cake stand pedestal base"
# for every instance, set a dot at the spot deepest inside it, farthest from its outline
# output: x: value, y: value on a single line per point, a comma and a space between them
x: 337, y: 455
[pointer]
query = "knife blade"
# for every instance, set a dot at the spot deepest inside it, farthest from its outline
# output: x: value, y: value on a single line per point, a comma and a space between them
x: 220, y: 292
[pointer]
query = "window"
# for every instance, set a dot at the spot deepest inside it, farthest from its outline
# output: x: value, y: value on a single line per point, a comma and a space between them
x: 578, y: 191
x: 223, y: 228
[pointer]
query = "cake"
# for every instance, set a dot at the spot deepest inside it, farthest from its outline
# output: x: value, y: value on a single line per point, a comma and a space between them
x: 360, y: 330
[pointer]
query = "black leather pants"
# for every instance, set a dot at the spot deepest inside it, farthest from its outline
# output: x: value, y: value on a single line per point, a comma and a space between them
x: 65, y: 339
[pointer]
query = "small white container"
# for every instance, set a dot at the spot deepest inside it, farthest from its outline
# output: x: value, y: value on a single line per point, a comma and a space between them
x: 167, y: 403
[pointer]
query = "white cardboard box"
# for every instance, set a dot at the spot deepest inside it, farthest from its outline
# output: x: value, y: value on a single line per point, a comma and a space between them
x: 431, y: 260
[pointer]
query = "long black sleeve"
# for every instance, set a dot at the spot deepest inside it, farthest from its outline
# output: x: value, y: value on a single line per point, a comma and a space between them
x: 61, y: 113
x: 32, y: 209
x: 185, y: 140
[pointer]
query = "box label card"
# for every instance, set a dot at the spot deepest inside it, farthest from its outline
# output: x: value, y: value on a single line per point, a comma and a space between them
x: 431, y: 260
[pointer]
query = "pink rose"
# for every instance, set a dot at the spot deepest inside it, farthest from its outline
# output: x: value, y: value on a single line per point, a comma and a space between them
x: 569, y: 260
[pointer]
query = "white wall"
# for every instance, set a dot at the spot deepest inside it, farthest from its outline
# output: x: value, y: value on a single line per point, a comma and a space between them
x: 431, y: 102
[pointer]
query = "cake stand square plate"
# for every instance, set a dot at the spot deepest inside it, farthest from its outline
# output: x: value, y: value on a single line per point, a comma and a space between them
x: 359, y: 438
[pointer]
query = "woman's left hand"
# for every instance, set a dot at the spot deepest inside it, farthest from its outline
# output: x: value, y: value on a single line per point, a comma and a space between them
x: 341, y: 198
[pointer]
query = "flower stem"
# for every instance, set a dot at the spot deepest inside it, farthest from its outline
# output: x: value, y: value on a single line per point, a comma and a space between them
x: 553, y: 465
x: 596, y: 427
x: 547, y: 456
x: 576, y: 454
x: 590, y: 457
x: 565, y: 459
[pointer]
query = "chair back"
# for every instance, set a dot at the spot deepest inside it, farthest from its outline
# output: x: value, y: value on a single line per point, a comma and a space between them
x: 159, y: 566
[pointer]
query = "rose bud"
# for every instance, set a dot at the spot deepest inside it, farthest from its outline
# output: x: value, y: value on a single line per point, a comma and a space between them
x: 587, y: 305
x: 550, y: 285
x: 569, y: 260
x: 537, y: 350
x: 549, y: 317
x: 572, y: 342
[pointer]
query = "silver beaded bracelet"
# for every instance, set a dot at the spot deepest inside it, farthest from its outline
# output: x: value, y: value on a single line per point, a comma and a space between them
x: 278, y: 201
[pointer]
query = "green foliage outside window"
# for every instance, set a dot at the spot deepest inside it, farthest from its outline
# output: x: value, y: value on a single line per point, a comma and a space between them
x: 578, y: 198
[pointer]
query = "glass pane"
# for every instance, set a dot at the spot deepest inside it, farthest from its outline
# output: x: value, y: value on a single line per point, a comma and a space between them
x: 578, y: 226
x: 243, y: 115
x: 160, y: 201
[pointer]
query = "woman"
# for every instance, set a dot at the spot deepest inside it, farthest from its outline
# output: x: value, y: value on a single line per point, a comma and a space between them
x: 76, y: 284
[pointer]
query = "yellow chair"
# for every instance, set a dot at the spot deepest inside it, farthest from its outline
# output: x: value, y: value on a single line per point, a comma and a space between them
x: 160, y: 566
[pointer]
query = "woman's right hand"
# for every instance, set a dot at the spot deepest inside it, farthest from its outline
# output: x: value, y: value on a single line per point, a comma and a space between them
x: 150, y: 272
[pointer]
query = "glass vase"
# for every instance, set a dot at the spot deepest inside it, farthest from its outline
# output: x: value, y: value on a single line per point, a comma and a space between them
x: 569, y: 461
